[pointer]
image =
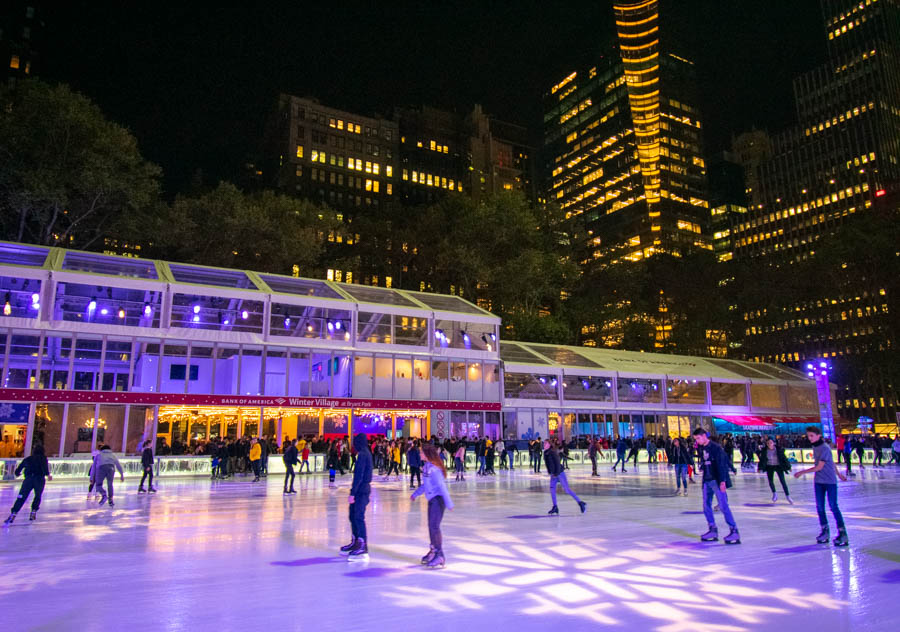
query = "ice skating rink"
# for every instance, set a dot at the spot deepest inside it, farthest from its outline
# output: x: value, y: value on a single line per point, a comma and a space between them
x: 232, y: 555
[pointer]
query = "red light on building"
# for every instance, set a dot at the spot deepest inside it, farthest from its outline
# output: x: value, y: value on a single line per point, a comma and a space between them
x: 880, y: 193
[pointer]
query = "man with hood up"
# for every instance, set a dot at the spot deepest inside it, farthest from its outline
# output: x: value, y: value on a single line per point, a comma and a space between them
x: 358, y: 550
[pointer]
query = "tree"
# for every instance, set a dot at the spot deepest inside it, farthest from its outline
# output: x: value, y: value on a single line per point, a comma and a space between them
x: 225, y: 227
x: 67, y: 174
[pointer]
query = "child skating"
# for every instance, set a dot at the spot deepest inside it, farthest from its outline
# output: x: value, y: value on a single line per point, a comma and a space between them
x: 435, y: 489
x: 826, y: 475
x: 36, y: 468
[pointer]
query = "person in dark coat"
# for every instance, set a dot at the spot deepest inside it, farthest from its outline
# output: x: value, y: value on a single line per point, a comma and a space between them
x: 36, y: 468
x: 414, y: 460
x: 621, y: 449
x: 558, y: 477
x: 716, y: 480
x: 147, y: 466
x: 773, y: 460
x: 360, y: 489
x: 290, y: 460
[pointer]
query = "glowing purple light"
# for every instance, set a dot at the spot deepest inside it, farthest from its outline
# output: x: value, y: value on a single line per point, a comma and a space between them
x: 227, y: 322
x: 196, y: 309
x: 104, y: 312
x: 330, y: 326
x: 337, y: 325
x: 147, y: 310
x: 245, y: 314
x: 287, y: 322
x: 195, y: 319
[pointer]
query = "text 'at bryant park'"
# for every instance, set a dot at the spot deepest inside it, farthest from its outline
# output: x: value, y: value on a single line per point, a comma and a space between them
x: 486, y: 315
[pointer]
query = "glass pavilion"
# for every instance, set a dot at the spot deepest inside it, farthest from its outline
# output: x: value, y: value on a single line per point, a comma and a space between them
x: 105, y: 349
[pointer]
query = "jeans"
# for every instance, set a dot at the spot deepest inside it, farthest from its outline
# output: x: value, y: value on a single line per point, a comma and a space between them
x: 304, y: 463
x: 148, y: 473
x: 415, y: 472
x: 594, y: 465
x: 435, y: 515
x: 107, y: 473
x: 512, y: 458
x: 620, y: 458
x: 560, y: 479
x: 256, y: 467
x: 770, y: 472
x: 681, y: 475
x: 289, y: 475
x: 481, y: 464
x: 30, y: 484
x: 358, y: 516
x: 710, y: 489
x: 460, y: 468
x: 830, y: 490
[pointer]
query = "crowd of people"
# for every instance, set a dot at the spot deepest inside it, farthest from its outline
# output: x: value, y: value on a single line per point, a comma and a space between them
x: 427, y: 461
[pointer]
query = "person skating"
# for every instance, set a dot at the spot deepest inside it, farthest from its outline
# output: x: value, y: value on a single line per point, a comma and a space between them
x: 633, y: 453
x: 716, y: 480
x: 290, y: 460
x: 35, y: 468
x: 414, y: 460
x: 895, y: 450
x: 255, y: 458
x: 558, y: 477
x: 460, y: 461
x: 147, y: 466
x: 681, y: 459
x: 774, y: 461
x: 825, y: 480
x: 358, y: 549
x: 621, y: 449
x: 435, y: 490
x: 105, y: 466
x: 592, y: 453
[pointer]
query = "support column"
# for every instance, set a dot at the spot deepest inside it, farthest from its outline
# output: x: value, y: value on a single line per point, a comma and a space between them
x: 321, y: 422
x: 259, y: 425
x: 393, y: 426
x: 155, y: 429
x: 125, y: 429
x: 280, y: 437
x: 62, y: 430
x: 96, y: 425
x: 350, y: 426
x: 29, y: 430
x: 428, y: 425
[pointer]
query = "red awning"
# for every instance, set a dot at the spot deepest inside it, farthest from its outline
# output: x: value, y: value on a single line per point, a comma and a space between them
x: 768, y: 420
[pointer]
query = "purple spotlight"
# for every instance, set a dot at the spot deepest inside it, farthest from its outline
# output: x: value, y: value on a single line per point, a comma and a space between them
x: 196, y: 309
x: 553, y: 382
x: 104, y: 312
x: 438, y: 333
x: 148, y: 311
x: 608, y: 383
x: 195, y: 318
x: 809, y: 367
x: 330, y: 326
x: 337, y: 325
x: 35, y: 298
x: 227, y: 322
x: 245, y: 314
x: 543, y: 380
x: 811, y: 374
x: 585, y: 384
x: 92, y: 305
x: 287, y: 322
x: 823, y: 365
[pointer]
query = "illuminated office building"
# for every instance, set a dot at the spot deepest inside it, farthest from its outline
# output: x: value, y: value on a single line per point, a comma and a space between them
x: 623, y: 149
x: 21, y: 30
x: 842, y: 158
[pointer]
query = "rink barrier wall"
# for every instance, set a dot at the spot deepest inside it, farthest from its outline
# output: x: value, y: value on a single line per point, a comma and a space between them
x: 73, y: 468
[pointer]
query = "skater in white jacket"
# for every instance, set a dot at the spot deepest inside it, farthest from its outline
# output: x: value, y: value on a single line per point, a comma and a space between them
x: 435, y: 489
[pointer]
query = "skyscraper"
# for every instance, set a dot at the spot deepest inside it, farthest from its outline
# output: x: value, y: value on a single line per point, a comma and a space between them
x: 839, y: 160
x: 623, y: 148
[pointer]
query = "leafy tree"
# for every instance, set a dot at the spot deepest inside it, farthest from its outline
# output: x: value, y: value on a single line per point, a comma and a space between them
x: 225, y: 227
x: 68, y: 175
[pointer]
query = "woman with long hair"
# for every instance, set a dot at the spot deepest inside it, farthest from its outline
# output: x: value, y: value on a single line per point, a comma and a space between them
x: 435, y: 489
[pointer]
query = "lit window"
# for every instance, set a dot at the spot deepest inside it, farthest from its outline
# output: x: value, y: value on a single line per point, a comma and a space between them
x: 299, y: 151
x: 314, y: 155
x: 433, y: 145
x: 390, y: 189
x: 330, y: 275
x: 388, y: 282
x: 14, y: 62
x: 388, y: 171
x: 340, y: 124
x: 357, y: 129
x: 332, y: 123
x: 376, y: 168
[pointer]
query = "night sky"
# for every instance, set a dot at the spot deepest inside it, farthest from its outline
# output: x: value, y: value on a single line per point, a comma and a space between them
x: 195, y: 84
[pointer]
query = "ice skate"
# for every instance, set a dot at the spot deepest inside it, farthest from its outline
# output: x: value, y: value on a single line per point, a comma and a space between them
x: 788, y: 498
x: 345, y: 550
x: 141, y: 490
x: 582, y: 505
x: 9, y: 520
x: 32, y: 516
x: 429, y: 556
x: 774, y: 497
x: 553, y: 510
x: 111, y: 503
x: 733, y: 537
x: 102, y: 500
x: 824, y: 536
x: 710, y: 536
x: 360, y: 552
x: 152, y: 490
x: 436, y: 562
x: 841, y: 539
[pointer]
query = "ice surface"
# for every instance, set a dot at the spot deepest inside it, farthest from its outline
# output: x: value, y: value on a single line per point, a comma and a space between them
x: 232, y: 555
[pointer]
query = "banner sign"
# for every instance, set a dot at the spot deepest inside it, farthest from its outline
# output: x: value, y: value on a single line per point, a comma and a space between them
x: 178, y: 399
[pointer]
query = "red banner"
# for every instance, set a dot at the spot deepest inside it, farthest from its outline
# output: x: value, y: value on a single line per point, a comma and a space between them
x: 176, y: 399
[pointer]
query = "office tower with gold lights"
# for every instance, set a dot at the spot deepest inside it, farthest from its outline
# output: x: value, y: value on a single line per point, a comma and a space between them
x: 840, y: 160
x: 623, y: 148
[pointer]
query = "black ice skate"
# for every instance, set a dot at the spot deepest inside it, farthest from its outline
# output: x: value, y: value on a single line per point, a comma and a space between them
x: 824, y: 536
x: 582, y: 505
x: 710, y: 536
x: 33, y: 515
x: 9, y: 520
x: 436, y: 562
x: 360, y: 552
x: 429, y: 556
x: 553, y: 510
x: 841, y: 539
x: 734, y: 537
x: 345, y: 550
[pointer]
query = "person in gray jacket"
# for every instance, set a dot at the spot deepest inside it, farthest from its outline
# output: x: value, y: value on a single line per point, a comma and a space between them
x: 105, y: 465
x: 435, y: 489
